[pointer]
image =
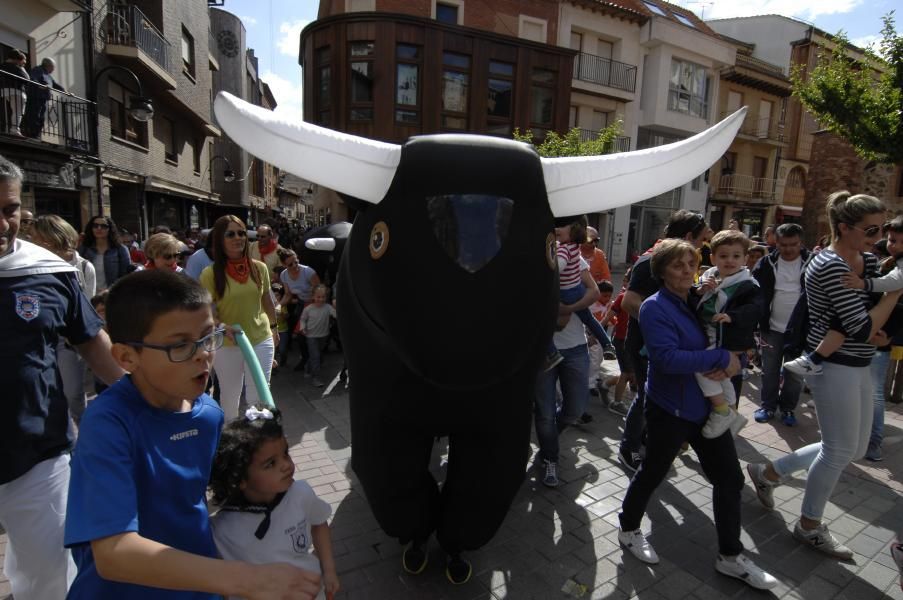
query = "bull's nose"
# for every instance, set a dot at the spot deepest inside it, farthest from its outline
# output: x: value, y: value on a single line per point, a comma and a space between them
x: 471, y: 228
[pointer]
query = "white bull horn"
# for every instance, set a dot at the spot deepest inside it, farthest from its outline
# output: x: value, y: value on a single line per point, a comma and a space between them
x: 588, y: 184
x: 349, y: 164
x: 327, y: 244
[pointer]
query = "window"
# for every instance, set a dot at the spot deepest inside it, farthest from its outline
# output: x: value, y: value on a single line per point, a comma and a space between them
x: 688, y: 90
x: 532, y: 29
x: 696, y: 184
x: 122, y: 125
x: 685, y: 20
x: 455, y: 90
x: 655, y: 8
x: 256, y: 187
x: 447, y: 12
x: 407, y: 84
x: 501, y: 97
x: 166, y: 133
x: 196, y: 148
x: 362, y: 81
x: 543, y: 84
x: 324, y: 86
x: 187, y: 53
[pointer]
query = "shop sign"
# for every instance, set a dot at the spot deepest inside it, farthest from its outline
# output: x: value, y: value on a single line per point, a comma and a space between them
x: 44, y: 174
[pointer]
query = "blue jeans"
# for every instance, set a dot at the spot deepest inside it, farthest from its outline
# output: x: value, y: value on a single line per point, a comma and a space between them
x: 315, y: 348
x: 844, y: 406
x: 571, y: 373
x: 879, y: 372
x: 635, y: 421
x: 572, y: 295
x: 777, y: 394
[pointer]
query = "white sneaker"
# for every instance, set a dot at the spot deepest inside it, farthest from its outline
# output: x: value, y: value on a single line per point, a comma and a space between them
x: 717, y: 424
x: 746, y: 571
x: 822, y: 540
x: 738, y: 422
x: 803, y: 366
x: 764, y: 486
x: 635, y: 543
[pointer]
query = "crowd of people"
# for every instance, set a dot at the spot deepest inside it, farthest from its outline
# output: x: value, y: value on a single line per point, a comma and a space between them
x: 154, y: 324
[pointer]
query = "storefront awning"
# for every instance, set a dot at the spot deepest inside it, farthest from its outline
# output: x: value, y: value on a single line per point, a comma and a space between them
x: 791, y: 210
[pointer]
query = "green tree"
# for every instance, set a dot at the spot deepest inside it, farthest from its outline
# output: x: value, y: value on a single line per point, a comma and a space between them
x: 555, y: 145
x: 860, y: 101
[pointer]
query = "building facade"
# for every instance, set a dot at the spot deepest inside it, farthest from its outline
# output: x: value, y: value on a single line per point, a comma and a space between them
x: 58, y: 158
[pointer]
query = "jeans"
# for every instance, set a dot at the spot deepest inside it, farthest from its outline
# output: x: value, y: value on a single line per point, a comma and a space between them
x: 315, y: 347
x: 635, y: 421
x: 880, y: 363
x: 718, y: 458
x: 571, y: 373
x: 777, y: 394
x: 844, y: 406
x: 572, y: 295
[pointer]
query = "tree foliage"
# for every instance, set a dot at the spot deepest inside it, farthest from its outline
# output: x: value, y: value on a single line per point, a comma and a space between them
x: 556, y: 145
x: 860, y: 101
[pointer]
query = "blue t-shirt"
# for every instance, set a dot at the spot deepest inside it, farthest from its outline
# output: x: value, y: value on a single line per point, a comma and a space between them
x: 35, y: 310
x: 140, y: 468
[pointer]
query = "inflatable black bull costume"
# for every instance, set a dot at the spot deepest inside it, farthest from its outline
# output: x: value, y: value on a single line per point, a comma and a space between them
x: 439, y: 336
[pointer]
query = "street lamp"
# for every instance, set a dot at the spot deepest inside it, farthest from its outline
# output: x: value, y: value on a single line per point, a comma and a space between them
x: 228, y: 173
x: 140, y: 107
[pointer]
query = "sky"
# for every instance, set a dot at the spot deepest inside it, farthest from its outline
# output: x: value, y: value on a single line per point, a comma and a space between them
x: 274, y: 28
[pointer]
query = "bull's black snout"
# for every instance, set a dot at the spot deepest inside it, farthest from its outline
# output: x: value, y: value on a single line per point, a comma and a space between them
x: 471, y: 228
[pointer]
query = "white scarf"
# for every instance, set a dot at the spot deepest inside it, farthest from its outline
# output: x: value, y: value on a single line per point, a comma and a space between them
x: 28, y: 259
x: 721, y: 299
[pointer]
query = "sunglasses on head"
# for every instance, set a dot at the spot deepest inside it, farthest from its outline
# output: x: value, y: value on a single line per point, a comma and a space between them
x: 233, y: 233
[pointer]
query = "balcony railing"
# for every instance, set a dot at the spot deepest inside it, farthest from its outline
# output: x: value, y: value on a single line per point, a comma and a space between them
x: 128, y: 26
x: 604, y: 71
x: 42, y: 114
x: 760, y: 127
x: 619, y: 144
x: 745, y: 187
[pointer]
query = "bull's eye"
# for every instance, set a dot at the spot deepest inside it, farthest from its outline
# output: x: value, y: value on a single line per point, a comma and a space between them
x: 379, y: 240
x: 551, y: 251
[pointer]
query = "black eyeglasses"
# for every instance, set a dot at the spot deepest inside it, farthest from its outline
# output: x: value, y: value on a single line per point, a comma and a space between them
x: 100, y: 226
x: 232, y: 233
x: 183, y: 351
x: 870, y: 231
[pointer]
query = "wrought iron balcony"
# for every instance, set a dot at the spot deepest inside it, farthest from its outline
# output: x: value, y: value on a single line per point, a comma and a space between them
x: 745, y: 187
x: 604, y: 71
x: 128, y: 26
x: 619, y: 144
x: 68, y: 121
x: 761, y: 127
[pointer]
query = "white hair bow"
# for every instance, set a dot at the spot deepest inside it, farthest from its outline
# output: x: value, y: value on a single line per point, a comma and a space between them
x: 252, y: 414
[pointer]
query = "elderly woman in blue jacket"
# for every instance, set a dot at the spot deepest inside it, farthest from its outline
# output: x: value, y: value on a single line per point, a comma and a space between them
x: 676, y: 411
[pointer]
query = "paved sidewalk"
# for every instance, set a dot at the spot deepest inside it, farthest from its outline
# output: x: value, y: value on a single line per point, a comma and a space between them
x: 561, y: 543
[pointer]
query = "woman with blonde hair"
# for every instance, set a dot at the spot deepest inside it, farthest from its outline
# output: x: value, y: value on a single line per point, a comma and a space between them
x: 843, y: 391
x: 55, y: 234
x: 162, y: 252
x: 240, y: 287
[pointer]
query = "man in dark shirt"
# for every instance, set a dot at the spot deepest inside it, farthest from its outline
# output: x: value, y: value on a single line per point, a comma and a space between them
x: 40, y: 301
x: 684, y: 225
x: 38, y: 96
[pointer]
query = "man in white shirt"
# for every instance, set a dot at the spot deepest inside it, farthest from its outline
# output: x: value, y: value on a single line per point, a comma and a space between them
x: 780, y: 275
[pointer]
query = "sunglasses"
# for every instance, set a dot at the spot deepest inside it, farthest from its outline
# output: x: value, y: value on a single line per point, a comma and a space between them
x: 870, y: 231
x: 100, y: 226
x: 167, y: 256
x: 233, y: 233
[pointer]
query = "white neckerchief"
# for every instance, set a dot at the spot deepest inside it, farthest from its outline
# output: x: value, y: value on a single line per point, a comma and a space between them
x: 741, y: 275
x: 29, y: 259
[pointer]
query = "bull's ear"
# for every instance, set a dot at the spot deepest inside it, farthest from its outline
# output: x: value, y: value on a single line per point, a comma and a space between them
x: 587, y: 184
x: 349, y: 164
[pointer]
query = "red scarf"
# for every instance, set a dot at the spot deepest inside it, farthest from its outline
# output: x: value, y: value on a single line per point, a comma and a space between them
x: 267, y: 248
x: 239, y: 269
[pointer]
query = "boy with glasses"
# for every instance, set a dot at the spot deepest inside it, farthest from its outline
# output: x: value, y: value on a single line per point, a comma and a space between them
x: 148, y: 443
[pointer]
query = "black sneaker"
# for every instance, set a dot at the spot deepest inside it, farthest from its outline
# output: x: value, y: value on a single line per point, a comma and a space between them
x: 458, y: 570
x: 630, y: 460
x: 608, y: 353
x: 585, y: 418
x: 414, y: 559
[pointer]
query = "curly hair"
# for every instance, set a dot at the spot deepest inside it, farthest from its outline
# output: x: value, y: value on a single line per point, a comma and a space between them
x: 238, y: 443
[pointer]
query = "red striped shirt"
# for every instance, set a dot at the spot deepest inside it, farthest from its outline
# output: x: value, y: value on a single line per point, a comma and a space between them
x: 569, y: 274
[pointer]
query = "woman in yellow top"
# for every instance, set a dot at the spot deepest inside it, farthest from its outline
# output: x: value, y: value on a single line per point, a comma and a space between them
x: 240, y: 288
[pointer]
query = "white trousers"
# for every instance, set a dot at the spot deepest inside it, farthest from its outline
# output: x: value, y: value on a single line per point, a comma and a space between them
x: 33, y: 513
x: 234, y: 375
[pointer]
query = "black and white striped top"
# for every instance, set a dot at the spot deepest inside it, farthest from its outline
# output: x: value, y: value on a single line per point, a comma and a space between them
x: 829, y: 301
